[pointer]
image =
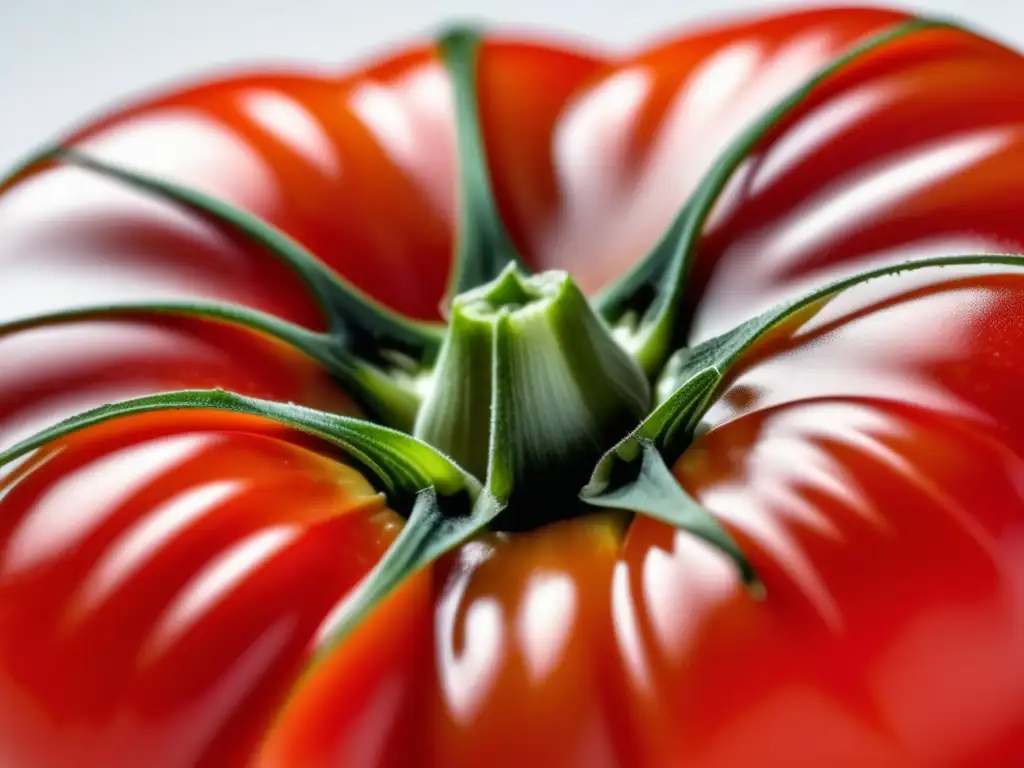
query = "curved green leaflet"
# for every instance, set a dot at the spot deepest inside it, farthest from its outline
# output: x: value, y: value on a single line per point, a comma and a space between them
x: 717, y: 356
x: 360, y: 322
x: 28, y: 166
x: 428, y: 534
x: 401, y: 463
x: 483, y: 245
x: 309, y: 342
x: 663, y: 273
x: 636, y: 290
x: 447, y: 504
x: 654, y: 492
x: 635, y: 476
x: 369, y: 386
x: 632, y: 474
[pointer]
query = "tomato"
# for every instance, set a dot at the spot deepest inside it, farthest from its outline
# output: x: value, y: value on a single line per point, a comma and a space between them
x: 165, y: 579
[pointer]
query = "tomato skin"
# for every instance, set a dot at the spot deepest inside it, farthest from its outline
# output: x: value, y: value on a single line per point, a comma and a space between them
x: 521, y: 636
x: 880, y: 502
x: 813, y: 661
x: 508, y: 641
x: 634, y: 141
x: 363, y: 705
x: 866, y: 456
x: 834, y: 668
x: 162, y: 581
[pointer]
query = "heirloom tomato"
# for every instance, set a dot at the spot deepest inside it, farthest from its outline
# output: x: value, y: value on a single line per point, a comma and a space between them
x: 509, y: 402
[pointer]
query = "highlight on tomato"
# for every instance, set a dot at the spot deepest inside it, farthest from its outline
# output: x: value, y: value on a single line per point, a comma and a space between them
x: 505, y: 403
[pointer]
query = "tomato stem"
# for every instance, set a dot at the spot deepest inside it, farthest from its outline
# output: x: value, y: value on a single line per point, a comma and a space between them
x: 529, y: 389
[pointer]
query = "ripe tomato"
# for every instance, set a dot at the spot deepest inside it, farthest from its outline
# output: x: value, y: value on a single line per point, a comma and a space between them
x: 165, y: 578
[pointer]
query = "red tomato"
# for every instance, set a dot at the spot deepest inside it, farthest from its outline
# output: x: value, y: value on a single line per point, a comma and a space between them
x: 164, y: 579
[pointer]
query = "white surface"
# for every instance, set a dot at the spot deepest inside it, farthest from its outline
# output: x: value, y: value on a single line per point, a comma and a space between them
x: 62, y: 60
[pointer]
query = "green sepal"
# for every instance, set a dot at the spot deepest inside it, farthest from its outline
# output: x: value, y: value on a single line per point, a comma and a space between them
x: 653, y: 491
x: 636, y: 290
x: 429, y: 533
x: 655, y: 287
x: 693, y: 378
x: 634, y: 476
x: 372, y: 389
x: 446, y: 504
x: 359, y: 322
x: 483, y: 245
x: 664, y: 429
x: 713, y: 360
x: 401, y: 464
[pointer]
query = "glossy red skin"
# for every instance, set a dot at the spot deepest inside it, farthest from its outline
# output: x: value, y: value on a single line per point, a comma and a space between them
x: 867, y: 456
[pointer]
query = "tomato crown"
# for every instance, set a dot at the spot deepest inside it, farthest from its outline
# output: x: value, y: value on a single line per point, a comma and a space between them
x: 529, y: 390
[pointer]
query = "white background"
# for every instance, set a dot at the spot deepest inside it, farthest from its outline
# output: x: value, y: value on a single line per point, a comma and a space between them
x: 63, y: 60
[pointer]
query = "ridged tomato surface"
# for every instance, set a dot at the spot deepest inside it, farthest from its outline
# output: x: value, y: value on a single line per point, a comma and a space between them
x: 164, y: 579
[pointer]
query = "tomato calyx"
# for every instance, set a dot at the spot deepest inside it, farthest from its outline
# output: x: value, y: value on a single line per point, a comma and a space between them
x: 410, y: 375
x: 529, y: 389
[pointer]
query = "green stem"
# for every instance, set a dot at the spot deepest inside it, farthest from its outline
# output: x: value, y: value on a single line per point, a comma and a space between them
x: 529, y: 389
x: 483, y: 245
